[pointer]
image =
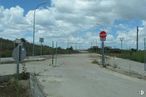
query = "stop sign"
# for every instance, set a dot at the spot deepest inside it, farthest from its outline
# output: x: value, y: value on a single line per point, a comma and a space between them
x: 103, y: 35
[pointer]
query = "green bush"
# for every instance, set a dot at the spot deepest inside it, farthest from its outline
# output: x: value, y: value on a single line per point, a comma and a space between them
x: 136, y: 56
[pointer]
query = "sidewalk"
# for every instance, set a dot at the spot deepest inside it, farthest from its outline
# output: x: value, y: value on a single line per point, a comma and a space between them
x: 30, y: 58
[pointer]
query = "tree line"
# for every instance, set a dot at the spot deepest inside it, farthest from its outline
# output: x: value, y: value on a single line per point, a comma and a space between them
x: 7, y: 46
x: 131, y: 54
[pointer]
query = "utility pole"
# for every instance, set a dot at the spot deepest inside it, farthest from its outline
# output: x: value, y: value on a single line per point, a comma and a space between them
x: 96, y: 47
x: 52, y: 53
x: 121, y: 39
x: 34, y: 26
x: 33, y: 47
x: 137, y: 39
x: 56, y: 54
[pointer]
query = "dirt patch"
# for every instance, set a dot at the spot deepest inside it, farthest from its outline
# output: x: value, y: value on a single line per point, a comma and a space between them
x: 14, y: 88
x: 11, y: 89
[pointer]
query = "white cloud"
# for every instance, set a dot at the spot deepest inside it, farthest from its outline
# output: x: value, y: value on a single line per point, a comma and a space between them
x: 67, y: 17
x: 130, y: 37
x: 144, y: 28
x: 131, y: 9
x: 13, y: 23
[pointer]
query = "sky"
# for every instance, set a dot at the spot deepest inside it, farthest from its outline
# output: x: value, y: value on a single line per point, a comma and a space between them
x: 71, y: 22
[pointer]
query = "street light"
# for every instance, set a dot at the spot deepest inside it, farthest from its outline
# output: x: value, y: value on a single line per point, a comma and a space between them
x: 34, y: 18
x: 137, y: 38
x: 121, y: 39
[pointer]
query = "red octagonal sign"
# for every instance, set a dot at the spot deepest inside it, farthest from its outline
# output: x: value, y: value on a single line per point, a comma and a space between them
x: 103, y: 34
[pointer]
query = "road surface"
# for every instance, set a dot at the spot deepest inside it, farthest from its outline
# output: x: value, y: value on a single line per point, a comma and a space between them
x: 76, y: 76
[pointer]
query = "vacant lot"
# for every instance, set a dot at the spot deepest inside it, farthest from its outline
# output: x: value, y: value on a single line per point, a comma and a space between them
x: 14, y: 88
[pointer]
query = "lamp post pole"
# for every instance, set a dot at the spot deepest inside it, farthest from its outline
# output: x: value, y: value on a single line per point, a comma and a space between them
x: 33, y: 32
x: 34, y: 19
x: 137, y: 38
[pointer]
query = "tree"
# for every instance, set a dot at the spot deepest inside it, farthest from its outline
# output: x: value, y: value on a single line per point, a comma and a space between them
x: 23, y: 40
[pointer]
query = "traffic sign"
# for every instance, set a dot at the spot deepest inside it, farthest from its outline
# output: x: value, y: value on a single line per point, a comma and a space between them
x: 18, y: 41
x: 19, y: 53
x: 41, y: 40
x: 102, y: 35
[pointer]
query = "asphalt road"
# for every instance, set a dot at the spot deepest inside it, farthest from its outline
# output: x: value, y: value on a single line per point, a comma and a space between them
x: 76, y: 76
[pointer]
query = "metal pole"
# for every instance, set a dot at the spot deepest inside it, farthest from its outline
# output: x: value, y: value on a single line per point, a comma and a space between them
x: 52, y: 52
x: 129, y: 69
x: 41, y: 48
x: 121, y: 39
x: 33, y: 33
x: 96, y: 47
x: 34, y: 18
x: 121, y: 44
x: 18, y: 61
x: 137, y: 39
x: 103, y: 57
x: 56, y: 54
x: 17, y: 71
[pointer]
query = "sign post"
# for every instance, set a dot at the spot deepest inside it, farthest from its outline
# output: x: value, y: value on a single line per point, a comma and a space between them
x: 41, y: 41
x: 103, y: 38
x: 18, y: 54
x: 56, y: 54
x: 52, y: 53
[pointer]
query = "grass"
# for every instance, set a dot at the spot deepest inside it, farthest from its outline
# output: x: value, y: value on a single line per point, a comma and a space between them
x: 94, y: 62
x: 135, y: 56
